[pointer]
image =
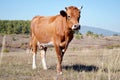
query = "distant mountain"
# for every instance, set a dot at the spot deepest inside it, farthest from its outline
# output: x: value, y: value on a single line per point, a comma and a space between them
x: 85, y: 29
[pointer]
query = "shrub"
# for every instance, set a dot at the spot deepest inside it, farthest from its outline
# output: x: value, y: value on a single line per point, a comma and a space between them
x: 110, y: 47
x: 14, y: 39
x: 115, y: 35
x: 78, y: 36
x: 113, y: 46
x: 6, y: 50
x: 89, y: 33
x: 95, y: 35
x: 0, y: 45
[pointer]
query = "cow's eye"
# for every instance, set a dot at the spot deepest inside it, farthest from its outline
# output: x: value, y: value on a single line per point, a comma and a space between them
x: 68, y: 17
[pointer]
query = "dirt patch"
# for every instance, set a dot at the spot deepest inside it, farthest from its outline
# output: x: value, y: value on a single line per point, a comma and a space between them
x: 21, y: 42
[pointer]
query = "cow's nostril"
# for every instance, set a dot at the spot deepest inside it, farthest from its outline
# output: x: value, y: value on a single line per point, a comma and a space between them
x: 78, y: 26
x: 75, y: 25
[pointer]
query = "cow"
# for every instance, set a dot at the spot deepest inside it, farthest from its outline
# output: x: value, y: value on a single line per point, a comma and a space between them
x: 56, y: 31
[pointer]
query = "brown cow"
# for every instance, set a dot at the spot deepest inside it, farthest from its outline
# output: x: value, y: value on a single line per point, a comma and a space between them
x: 54, y: 31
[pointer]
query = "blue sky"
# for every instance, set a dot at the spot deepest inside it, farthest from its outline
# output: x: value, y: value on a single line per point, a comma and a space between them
x: 97, y: 13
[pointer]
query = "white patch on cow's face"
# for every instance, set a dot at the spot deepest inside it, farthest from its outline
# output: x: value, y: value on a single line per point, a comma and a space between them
x: 76, y: 27
x: 49, y: 44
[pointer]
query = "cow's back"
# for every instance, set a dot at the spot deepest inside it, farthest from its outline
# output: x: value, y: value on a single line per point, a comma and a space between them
x: 43, y: 28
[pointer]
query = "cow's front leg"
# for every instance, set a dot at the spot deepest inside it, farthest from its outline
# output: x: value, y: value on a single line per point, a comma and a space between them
x: 64, y: 46
x: 65, y: 43
x: 60, y: 57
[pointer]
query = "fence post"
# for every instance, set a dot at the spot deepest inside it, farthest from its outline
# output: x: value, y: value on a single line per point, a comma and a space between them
x: 2, y: 49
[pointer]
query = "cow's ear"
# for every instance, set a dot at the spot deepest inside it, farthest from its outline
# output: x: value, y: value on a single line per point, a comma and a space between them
x: 63, y: 13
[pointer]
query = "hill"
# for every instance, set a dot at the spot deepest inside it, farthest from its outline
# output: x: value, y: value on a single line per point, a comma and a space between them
x: 84, y: 29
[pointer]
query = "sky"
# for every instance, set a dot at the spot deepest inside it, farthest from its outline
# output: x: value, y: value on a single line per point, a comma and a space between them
x: 103, y: 14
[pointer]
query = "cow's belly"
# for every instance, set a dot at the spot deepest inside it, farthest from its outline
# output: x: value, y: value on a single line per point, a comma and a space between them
x: 49, y: 44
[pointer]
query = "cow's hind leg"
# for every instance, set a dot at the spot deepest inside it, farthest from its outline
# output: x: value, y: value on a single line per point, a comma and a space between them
x: 34, y: 61
x: 43, y: 58
x: 34, y: 51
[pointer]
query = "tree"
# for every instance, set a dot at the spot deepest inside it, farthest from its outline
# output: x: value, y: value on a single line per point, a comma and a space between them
x: 78, y: 35
x: 14, y: 26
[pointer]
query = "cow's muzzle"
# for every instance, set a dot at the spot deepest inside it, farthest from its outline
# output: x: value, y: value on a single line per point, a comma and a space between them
x: 76, y: 27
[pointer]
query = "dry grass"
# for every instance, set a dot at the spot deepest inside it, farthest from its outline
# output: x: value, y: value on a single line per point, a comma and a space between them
x: 86, y: 64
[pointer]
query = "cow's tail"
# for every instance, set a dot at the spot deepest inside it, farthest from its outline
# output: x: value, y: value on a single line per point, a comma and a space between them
x: 31, y: 33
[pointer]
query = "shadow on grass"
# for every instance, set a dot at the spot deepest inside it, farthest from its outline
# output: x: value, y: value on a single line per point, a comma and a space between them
x: 80, y: 67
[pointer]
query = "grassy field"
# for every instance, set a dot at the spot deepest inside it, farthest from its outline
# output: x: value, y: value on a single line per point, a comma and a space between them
x: 86, y: 59
x: 85, y: 64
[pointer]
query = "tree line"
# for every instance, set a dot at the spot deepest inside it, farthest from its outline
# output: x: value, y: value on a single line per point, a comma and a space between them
x: 14, y: 26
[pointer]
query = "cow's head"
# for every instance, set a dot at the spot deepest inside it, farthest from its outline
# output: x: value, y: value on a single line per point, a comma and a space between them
x: 72, y: 15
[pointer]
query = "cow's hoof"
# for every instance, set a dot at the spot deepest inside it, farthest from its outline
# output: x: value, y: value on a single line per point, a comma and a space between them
x: 34, y: 67
x: 45, y: 68
x: 60, y: 73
